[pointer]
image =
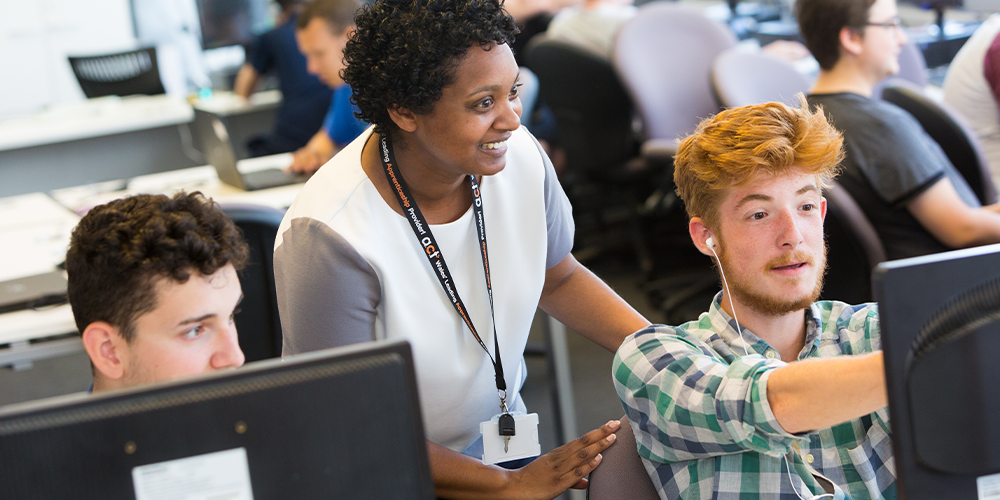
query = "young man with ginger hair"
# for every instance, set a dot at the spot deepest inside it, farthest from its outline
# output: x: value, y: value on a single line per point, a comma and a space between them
x: 153, y: 287
x: 770, y: 394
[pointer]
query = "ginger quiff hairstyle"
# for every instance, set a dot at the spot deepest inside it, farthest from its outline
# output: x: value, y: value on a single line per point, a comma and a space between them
x: 739, y: 145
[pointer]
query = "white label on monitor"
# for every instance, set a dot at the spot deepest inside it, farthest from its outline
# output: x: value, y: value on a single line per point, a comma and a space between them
x: 223, y: 475
x: 988, y: 487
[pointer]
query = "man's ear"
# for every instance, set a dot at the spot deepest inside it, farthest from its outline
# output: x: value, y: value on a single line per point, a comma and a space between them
x: 700, y: 234
x: 405, y: 119
x: 851, y: 40
x: 106, y: 348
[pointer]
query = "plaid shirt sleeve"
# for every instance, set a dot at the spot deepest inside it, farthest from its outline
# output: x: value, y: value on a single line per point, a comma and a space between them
x: 691, y: 403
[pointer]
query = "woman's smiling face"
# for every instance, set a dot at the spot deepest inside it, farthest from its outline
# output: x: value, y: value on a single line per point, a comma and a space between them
x: 467, y: 130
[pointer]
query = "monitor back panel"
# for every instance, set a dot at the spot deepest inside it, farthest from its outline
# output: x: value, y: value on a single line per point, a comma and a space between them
x: 940, y: 396
x: 348, y: 429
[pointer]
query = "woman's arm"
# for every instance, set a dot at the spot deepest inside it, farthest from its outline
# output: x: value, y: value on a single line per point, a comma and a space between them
x: 580, y: 300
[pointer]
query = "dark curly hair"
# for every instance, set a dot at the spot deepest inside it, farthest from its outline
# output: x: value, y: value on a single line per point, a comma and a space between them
x: 120, y: 250
x: 404, y: 51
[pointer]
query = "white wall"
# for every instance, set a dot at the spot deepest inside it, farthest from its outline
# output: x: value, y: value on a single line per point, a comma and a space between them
x: 37, y: 35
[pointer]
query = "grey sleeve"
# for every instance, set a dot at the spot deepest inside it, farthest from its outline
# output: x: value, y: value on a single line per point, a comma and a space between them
x: 327, y: 292
x: 558, y: 215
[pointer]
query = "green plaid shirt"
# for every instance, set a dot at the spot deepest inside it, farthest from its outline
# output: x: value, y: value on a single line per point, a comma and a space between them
x: 705, y: 430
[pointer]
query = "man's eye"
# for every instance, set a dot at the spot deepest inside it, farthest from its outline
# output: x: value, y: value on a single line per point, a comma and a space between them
x: 194, y: 332
x: 233, y: 315
x: 758, y: 215
x: 808, y: 206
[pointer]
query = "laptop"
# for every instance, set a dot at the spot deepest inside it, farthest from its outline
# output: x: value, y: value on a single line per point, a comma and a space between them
x: 32, y: 292
x: 219, y: 153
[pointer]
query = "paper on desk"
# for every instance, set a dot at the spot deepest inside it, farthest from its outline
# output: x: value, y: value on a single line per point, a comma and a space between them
x: 32, y: 210
x: 34, y: 235
x: 223, y: 475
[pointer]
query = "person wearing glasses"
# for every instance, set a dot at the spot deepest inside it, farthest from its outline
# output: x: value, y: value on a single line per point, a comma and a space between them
x: 913, y: 195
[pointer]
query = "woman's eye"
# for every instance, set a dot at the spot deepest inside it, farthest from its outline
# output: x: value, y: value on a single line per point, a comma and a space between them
x: 486, y: 103
x: 515, y: 89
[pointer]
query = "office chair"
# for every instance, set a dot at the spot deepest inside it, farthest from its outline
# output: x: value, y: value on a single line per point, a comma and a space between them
x: 742, y: 78
x: 949, y: 129
x: 912, y: 68
x: 621, y: 475
x: 853, y: 249
x: 664, y: 56
x: 257, y: 323
x: 124, y: 73
x: 594, y: 121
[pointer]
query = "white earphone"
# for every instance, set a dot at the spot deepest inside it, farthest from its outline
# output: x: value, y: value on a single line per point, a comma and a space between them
x: 711, y: 247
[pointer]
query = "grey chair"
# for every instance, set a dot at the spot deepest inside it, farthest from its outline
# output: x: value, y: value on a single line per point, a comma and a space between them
x: 742, y: 78
x: 948, y: 128
x: 123, y: 73
x: 853, y: 249
x: 621, y: 475
x: 664, y: 56
x: 257, y: 323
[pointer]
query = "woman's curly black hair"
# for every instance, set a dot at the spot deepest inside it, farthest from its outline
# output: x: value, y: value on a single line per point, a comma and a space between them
x: 404, y: 51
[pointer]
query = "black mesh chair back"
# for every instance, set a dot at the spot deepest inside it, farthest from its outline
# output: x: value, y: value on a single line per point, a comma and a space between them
x: 124, y: 73
x: 742, y: 78
x: 593, y: 113
x: 853, y: 249
x: 947, y: 127
x: 257, y: 323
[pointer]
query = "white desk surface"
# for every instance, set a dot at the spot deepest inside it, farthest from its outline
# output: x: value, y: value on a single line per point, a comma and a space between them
x: 94, y: 118
x: 35, y: 229
x: 115, y: 115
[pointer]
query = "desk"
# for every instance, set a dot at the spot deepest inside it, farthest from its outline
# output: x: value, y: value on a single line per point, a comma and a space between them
x: 34, y: 235
x: 116, y: 137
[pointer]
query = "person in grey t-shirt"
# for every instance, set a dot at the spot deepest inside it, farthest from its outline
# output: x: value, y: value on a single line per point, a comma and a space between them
x: 915, y: 198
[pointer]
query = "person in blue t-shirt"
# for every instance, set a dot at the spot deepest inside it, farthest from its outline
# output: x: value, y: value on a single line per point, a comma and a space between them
x: 304, y: 98
x: 322, y: 31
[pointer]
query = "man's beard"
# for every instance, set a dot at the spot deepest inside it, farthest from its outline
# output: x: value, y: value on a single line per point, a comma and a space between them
x: 742, y: 290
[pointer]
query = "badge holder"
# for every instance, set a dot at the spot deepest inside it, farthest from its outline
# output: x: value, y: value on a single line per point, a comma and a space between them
x: 523, y: 444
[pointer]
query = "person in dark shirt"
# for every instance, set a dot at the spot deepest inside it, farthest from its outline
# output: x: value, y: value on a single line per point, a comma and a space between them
x: 913, y: 195
x: 304, y: 98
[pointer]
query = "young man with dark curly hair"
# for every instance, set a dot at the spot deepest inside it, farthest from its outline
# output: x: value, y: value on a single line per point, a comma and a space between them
x: 917, y: 200
x: 153, y: 288
x: 770, y: 394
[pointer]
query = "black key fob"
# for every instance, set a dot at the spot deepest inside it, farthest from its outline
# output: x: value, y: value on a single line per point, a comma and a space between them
x: 506, y: 424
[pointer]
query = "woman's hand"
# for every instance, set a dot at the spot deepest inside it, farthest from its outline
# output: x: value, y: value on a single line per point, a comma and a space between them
x: 562, y: 468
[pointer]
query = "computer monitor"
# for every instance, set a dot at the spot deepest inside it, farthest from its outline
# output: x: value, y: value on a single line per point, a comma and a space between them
x: 342, y: 423
x: 232, y: 22
x: 940, y: 320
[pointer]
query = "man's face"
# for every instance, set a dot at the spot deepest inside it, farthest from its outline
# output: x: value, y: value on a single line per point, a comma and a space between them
x: 770, y: 242
x: 881, y: 44
x: 190, y: 331
x: 324, y: 50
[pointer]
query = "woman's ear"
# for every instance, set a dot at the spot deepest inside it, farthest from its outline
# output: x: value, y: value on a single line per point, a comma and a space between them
x: 405, y: 119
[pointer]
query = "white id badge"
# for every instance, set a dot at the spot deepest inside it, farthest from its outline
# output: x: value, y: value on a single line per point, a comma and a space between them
x: 523, y: 444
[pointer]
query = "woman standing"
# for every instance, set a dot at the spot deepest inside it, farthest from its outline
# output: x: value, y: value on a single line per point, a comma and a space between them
x: 444, y: 224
